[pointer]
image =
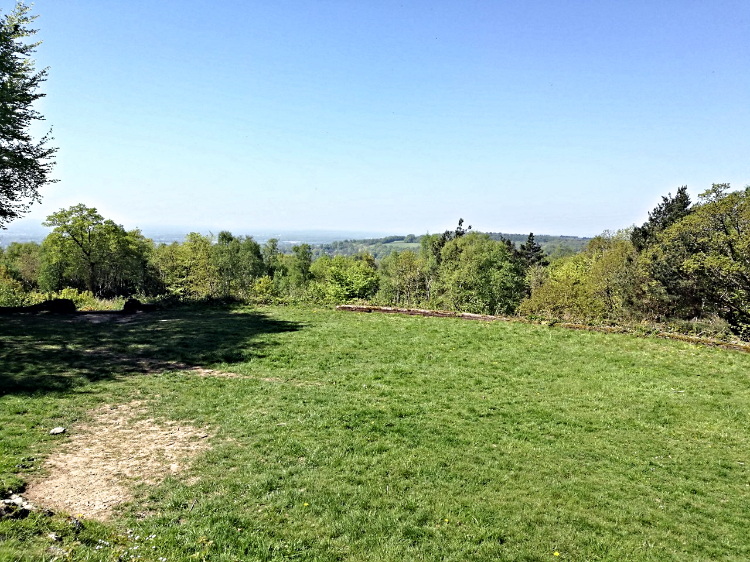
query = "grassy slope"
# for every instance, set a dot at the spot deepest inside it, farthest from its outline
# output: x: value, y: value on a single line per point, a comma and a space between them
x: 399, y: 438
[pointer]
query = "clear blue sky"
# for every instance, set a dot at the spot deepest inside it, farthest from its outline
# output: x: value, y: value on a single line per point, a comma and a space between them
x: 557, y: 117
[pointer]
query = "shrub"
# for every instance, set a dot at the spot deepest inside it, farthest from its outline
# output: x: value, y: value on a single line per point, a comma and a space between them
x: 345, y: 278
x: 264, y: 290
x: 596, y: 284
x: 11, y: 291
x: 479, y: 275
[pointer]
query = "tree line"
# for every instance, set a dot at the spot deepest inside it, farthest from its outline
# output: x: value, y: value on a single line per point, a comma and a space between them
x: 86, y: 254
x: 687, y: 263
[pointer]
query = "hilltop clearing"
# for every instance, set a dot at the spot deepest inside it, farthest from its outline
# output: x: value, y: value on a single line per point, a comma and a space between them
x: 336, y: 436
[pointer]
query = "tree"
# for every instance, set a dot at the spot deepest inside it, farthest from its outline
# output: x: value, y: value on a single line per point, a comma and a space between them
x: 299, y: 268
x: 531, y: 252
x: 25, y: 164
x: 402, y: 279
x: 88, y: 252
x: 710, y: 250
x: 11, y: 291
x: 76, y: 230
x: 343, y: 278
x: 238, y: 262
x: 594, y: 284
x: 22, y: 261
x: 665, y: 214
x: 201, y: 279
x: 478, y: 274
x: 272, y: 257
x: 225, y: 258
x: 431, y: 248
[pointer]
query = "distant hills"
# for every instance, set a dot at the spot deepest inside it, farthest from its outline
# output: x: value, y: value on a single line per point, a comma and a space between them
x: 380, y: 247
x: 323, y: 242
x: 26, y: 231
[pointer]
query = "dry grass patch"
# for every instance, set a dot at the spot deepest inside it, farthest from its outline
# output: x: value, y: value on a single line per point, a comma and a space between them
x: 104, y: 459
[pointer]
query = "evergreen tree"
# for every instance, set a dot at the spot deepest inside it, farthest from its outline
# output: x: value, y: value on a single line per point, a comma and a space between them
x: 665, y: 214
x: 532, y: 253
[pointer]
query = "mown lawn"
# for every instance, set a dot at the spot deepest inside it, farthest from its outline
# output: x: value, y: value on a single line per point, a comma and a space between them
x: 380, y: 437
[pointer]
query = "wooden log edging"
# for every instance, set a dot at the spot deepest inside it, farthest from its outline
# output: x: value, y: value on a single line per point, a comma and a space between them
x: 607, y: 329
x: 419, y: 312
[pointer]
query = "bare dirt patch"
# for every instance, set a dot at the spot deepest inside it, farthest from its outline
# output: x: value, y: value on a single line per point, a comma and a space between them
x: 103, y: 460
x: 201, y: 372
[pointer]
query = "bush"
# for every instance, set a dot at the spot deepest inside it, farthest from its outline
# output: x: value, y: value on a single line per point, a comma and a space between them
x: 264, y: 290
x: 479, y: 275
x: 596, y: 284
x: 342, y: 279
x: 11, y: 291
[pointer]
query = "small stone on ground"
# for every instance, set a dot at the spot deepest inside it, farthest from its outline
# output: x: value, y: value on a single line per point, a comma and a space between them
x: 96, y: 468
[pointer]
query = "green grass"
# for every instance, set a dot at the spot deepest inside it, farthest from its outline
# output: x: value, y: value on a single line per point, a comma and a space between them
x: 384, y: 437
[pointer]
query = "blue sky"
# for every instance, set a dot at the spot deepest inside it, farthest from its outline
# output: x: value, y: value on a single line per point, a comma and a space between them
x: 548, y: 116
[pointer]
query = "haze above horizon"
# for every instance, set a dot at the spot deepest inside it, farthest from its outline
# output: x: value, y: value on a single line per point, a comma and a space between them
x: 389, y: 117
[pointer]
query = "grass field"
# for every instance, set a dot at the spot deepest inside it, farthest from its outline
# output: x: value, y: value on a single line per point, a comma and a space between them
x: 379, y: 437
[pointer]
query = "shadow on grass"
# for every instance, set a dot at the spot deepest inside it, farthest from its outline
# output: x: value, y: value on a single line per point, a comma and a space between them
x: 54, y: 353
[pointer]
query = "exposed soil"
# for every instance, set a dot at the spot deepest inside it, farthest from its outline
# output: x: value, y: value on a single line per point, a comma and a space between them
x: 101, y: 462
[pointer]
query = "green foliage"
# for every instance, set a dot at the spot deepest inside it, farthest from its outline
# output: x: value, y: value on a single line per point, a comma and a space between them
x: 692, y: 267
x: 382, y: 247
x: 11, y: 290
x: 299, y: 268
x: 86, y: 251
x: 376, y: 247
x: 237, y: 262
x: 402, y: 279
x: 668, y: 290
x: 665, y: 214
x: 532, y: 254
x: 272, y: 259
x: 26, y: 163
x: 292, y: 272
x: 264, y: 290
x: 230, y: 267
x: 200, y: 279
x: 171, y: 269
x: 340, y: 279
x: 595, y: 284
x: 684, y: 264
x: 560, y: 251
x: 565, y: 245
x: 480, y: 275
x: 203, y: 268
x: 23, y: 263
x: 13, y: 293
x: 709, y: 252
x: 84, y: 300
